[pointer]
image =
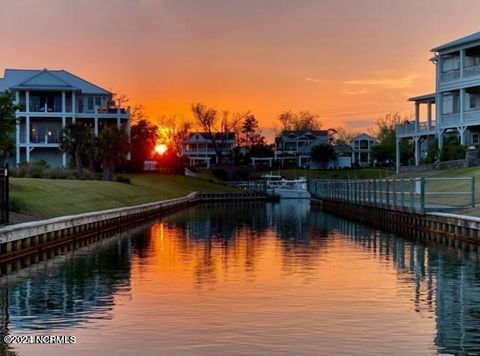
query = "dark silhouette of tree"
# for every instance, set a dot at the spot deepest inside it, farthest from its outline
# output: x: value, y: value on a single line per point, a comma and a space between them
x: 144, y: 137
x: 77, y: 141
x: 7, y: 125
x: 112, y: 146
x: 323, y: 154
x: 174, y: 131
x: 250, y: 134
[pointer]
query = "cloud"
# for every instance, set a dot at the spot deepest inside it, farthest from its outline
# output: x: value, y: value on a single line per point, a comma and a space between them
x: 355, y: 92
x: 358, y: 124
x: 395, y: 83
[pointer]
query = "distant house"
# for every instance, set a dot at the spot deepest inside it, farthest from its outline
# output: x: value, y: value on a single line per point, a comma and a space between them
x: 50, y: 100
x: 361, y: 146
x: 296, y: 146
x: 343, y: 159
x: 199, y: 148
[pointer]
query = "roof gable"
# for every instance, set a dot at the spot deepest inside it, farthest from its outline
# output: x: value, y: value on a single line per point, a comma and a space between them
x: 48, y: 79
x: 44, y: 79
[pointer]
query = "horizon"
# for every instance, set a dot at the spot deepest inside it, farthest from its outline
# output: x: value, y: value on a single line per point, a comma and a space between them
x: 239, y: 57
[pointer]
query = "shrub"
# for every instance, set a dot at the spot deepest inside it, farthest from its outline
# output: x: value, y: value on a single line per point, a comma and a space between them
x: 220, y: 173
x: 121, y: 179
x: 242, y: 173
x: 17, y: 205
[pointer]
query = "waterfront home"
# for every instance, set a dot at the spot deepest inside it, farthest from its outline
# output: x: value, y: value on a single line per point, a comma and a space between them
x: 295, y: 146
x: 454, y: 107
x: 200, y: 150
x: 50, y: 100
x: 361, y: 146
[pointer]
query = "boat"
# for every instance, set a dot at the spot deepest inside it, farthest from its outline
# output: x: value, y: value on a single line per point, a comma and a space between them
x: 286, y: 188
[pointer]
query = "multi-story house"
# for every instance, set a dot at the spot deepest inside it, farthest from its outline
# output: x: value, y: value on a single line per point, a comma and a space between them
x: 361, y: 146
x: 296, y: 145
x: 199, y: 148
x: 49, y: 100
x: 454, y: 108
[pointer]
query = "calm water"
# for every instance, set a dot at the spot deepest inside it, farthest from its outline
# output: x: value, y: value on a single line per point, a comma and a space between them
x: 250, y: 279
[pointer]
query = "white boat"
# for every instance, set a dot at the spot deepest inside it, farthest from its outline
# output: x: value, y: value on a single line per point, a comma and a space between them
x: 287, y: 188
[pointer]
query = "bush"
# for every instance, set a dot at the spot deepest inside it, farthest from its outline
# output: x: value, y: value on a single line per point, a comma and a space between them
x: 242, y: 173
x: 59, y: 173
x: 121, y: 179
x: 17, y: 205
x: 220, y: 173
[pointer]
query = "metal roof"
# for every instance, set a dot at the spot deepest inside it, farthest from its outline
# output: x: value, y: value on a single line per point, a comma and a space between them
x: 458, y: 42
x: 47, y: 79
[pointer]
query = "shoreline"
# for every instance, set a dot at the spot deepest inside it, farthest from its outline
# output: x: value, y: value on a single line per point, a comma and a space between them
x: 29, y: 242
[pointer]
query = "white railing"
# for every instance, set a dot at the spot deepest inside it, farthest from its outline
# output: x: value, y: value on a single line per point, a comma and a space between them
x: 452, y: 118
x: 409, y: 128
x: 471, y: 116
x: 450, y: 75
x: 471, y: 71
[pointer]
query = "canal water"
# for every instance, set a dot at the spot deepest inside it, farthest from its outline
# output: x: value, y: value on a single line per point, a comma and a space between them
x: 254, y: 278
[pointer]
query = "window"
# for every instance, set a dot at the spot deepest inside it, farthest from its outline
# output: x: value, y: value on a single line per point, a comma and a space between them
x: 475, y: 138
x: 98, y: 101
x: 90, y: 103
x: 473, y: 101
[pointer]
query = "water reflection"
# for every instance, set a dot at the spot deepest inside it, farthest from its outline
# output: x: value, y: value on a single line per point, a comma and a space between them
x: 255, y: 277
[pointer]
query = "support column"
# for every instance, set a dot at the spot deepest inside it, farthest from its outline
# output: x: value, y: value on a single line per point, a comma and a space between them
x: 461, y: 131
x: 417, y: 116
x: 462, y: 62
x: 64, y: 154
x: 17, y: 130
x: 440, y: 139
x: 397, y: 155
x: 462, y: 107
x: 27, y: 127
x: 95, y: 125
x: 74, y: 106
x: 429, y: 115
x: 417, y: 150
x: 118, y: 117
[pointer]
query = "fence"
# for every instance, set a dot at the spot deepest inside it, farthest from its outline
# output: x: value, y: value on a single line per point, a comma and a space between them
x: 4, y: 199
x: 412, y: 194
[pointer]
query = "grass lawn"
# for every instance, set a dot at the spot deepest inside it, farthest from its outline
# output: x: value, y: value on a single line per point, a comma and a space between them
x: 57, y: 197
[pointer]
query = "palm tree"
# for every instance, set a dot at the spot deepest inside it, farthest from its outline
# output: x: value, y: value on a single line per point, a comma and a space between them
x: 77, y: 140
x: 112, y: 145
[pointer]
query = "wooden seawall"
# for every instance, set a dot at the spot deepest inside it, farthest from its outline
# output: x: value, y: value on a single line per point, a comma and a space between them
x: 26, y: 243
x: 449, y: 229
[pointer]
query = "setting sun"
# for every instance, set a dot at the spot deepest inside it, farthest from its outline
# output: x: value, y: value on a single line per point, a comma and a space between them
x: 161, y: 148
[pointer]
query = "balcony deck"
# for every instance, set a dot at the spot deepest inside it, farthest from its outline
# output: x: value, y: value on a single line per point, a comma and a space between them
x: 409, y: 129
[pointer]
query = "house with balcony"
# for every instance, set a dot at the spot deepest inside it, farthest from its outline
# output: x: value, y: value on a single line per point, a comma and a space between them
x: 361, y: 146
x: 49, y: 100
x: 454, y: 108
x: 200, y: 150
x: 294, y: 146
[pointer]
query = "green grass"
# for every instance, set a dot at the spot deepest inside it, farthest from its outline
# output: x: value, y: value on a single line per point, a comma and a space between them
x: 55, y: 197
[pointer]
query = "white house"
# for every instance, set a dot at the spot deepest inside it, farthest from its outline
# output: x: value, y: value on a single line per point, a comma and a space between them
x: 199, y: 147
x: 454, y: 107
x: 361, y: 146
x: 50, y: 100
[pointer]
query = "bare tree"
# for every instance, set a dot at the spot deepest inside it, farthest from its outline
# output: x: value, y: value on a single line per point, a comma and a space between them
x: 217, y: 125
x: 173, y: 131
x: 304, y: 120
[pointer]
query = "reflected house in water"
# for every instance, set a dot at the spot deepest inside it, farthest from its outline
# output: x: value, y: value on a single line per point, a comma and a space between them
x: 229, y: 240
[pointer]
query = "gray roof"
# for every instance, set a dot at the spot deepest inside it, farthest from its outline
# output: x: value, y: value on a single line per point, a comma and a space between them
x: 458, y: 42
x: 423, y: 98
x: 47, y: 79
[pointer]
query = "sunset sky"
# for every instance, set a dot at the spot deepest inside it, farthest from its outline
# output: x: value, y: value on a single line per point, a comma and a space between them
x: 347, y: 60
